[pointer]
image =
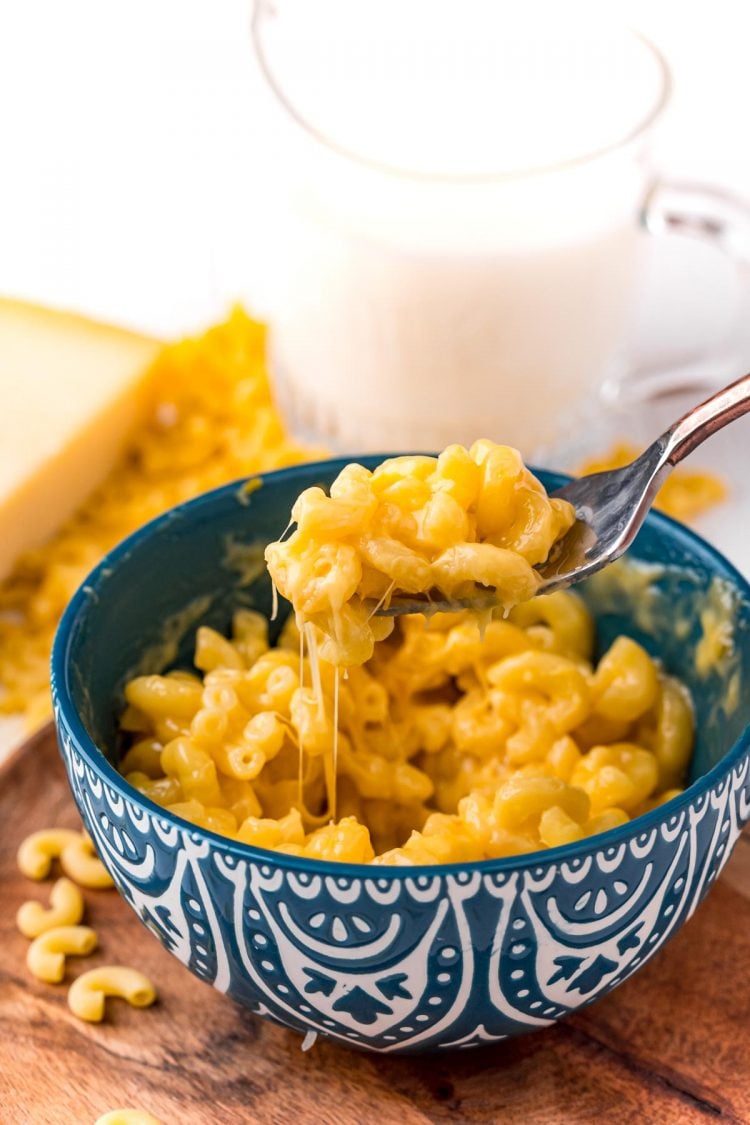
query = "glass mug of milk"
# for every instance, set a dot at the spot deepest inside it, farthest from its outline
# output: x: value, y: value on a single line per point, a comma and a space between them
x: 462, y: 192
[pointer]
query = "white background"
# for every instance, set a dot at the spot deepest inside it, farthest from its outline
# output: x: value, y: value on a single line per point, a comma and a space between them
x: 132, y: 183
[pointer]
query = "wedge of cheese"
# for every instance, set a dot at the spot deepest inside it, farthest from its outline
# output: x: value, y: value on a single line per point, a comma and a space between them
x: 70, y: 392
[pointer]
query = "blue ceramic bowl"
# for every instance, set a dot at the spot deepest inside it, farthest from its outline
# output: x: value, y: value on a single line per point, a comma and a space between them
x: 398, y: 959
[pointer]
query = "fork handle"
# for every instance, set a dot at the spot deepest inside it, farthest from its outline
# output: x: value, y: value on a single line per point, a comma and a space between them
x: 726, y: 406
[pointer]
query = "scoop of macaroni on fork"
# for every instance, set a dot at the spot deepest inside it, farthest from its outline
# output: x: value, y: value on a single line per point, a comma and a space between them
x: 447, y: 524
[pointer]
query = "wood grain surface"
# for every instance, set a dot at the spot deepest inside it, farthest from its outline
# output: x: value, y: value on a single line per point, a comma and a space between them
x: 670, y: 1045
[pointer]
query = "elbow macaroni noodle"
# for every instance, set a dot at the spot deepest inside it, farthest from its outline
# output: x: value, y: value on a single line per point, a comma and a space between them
x: 65, y: 909
x: 80, y: 861
x: 88, y: 992
x: 46, y: 955
x: 38, y: 850
x: 74, y: 850
x: 445, y: 739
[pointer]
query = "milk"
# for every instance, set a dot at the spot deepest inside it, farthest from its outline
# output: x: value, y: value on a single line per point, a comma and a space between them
x: 460, y: 194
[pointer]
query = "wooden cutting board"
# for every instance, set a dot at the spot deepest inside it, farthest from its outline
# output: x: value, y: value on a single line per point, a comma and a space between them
x: 670, y: 1045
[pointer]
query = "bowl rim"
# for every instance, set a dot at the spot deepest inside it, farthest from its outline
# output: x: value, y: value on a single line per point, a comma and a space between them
x: 67, y: 714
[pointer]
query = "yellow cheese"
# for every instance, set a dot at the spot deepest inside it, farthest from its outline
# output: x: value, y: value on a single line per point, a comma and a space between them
x: 70, y: 392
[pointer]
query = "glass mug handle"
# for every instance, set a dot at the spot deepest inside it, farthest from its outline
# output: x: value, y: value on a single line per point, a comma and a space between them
x: 703, y: 212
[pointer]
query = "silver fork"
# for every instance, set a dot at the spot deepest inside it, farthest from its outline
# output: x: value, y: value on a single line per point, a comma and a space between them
x: 610, y: 506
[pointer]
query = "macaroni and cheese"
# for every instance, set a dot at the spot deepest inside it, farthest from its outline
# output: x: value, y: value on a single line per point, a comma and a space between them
x: 449, y: 524
x: 444, y: 737
x: 451, y: 743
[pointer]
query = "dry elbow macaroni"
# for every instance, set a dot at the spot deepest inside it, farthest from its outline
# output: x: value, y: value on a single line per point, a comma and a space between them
x: 46, y: 955
x: 65, y: 909
x: 74, y: 850
x: 449, y: 743
x: 88, y: 992
x: 38, y: 850
x: 80, y: 861
x: 55, y: 932
x: 414, y: 525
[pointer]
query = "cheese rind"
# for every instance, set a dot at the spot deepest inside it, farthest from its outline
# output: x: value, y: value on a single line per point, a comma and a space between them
x: 70, y: 392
